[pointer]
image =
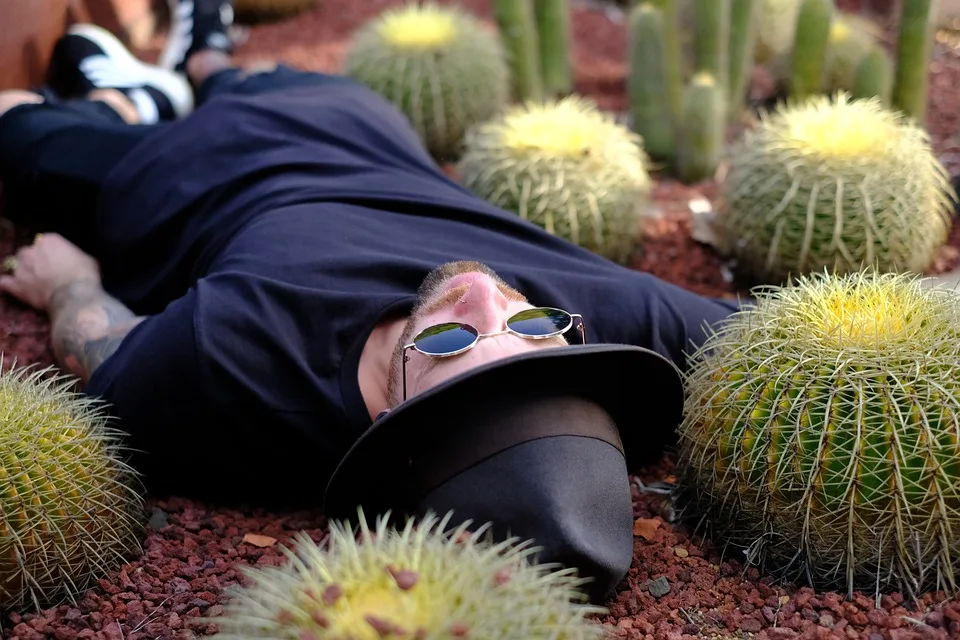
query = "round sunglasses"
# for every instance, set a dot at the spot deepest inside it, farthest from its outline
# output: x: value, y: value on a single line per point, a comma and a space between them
x: 453, y: 338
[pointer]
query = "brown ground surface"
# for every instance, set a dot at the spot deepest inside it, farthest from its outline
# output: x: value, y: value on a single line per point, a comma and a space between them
x: 192, y: 550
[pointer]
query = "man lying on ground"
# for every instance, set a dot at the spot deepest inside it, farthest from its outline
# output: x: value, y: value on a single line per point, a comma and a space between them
x: 260, y: 272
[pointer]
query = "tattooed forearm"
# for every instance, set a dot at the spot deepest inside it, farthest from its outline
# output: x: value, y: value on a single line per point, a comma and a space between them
x: 87, y: 326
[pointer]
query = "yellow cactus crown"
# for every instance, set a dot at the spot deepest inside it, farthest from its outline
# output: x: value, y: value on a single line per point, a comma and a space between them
x: 413, y: 26
x: 840, y: 128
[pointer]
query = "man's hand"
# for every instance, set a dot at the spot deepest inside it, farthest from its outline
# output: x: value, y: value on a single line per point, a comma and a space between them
x: 44, y: 267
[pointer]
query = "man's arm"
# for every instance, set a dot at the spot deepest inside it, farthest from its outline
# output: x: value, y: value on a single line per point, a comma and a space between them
x: 87, y: 326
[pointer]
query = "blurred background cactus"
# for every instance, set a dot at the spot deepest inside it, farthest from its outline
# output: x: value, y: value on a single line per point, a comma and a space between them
x: 256, y: 10
x: 538, y: 38
x: 708, y: 54
x: 834, y: 184
x: 439, y: 65
x: 421, y: 581
x: 820, y: 433
x: 567, y: 167
x: 70, y: 507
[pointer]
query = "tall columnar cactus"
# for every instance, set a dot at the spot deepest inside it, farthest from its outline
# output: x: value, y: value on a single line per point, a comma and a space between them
x: 647, y: 81
x: 834, y: 184
x: 851, y: 39
x: 438, y: 65
x: 422, y: 581
x: 913, y: 58
x: 517, y: 22
x: 673, y: 55
x: 821, y: 433
x: 808, y: 56
x: 70, y: 508
x: 711, y: 21
x: 874, y: 76
x: 743, y: 38
x: 567, y: 167
x: 776, y: 29
x: 702, y: 129
x: 553, y: 29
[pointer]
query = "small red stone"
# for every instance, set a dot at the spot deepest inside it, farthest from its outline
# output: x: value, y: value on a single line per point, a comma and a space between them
x: 284, y: 617
x: 383, y: 627
x: 320, y: 620
x: 502, y: 577
x: 459, y: 630
x: 404, y: 578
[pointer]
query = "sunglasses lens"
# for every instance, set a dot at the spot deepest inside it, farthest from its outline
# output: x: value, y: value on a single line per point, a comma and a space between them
x: 540, y: 322
x: 445, y: 338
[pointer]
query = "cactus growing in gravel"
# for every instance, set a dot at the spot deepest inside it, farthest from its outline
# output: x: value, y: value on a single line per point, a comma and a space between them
x: 438, y: 65
x: 421, y: 581
x: 851, y: 39
x: 711, y: 19
x: 650, y: 112
x: 809, y: 53
x: 565, y: 166
x: 913, y: 58
x: 553, y: 32
x: 518, y: 29
x: 70, y: 507
x: 822, y: 433
x: 874, y: 76
x: 703, y: 127
x: 834, y: 184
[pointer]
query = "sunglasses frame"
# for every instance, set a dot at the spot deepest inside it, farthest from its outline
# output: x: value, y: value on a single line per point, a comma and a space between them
x: 575, y: 319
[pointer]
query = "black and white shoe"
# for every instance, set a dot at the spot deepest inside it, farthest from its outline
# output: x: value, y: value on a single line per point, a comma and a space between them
x: 196, y: 25
x: 89, y: 57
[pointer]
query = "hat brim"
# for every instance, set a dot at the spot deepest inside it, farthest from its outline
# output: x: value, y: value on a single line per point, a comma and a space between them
x: 640, y: 389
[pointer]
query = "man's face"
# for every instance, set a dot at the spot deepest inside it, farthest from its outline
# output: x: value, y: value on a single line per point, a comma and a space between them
x: 467, y: 292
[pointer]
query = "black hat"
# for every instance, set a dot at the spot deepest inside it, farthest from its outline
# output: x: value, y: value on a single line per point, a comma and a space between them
x: 539, y: 444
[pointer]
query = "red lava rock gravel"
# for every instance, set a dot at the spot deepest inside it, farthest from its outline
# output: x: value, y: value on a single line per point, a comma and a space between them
x: 679, y: 588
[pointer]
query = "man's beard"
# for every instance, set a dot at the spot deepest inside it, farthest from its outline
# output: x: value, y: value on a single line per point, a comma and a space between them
x: 428, y: 301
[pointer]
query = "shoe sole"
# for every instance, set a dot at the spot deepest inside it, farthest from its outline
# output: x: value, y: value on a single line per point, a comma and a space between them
x: 175, y: 88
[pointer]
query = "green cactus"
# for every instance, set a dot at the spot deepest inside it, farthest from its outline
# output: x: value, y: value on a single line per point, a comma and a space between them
x: 820, y: 433
x: 711, y: 21
x: 70, y: 508
x: 834, y: 184
x: 518, y: 31
x: 553, y: 28
x: 567, y: 167
x: 647, y: 82
x: 851, y: 39
x: 702, y: 129
x: 874, y: 76
x: 673, y: 55
x: 438, y: 65
x: 913, y: 58
x: 743, y: 38
x: 776, y: 29
x: 423, y: 581
x: 809, y: 53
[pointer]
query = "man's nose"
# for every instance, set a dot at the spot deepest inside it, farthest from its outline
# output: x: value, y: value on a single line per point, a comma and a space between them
x: 483, y: 305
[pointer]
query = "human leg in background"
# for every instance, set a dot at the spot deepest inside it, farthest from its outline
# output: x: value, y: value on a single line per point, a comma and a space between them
x: 58, y: 147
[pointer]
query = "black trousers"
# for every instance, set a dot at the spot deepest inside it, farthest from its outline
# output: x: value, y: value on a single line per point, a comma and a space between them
x: 55, y: 157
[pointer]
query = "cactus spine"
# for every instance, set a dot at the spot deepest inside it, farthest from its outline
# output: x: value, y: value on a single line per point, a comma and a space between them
x: 70, y: 507
x: 647, y: 82
x: 743, y: 37
x: 516, y: 20
x: 874, y: 76
x: 553, y: 27
x: 913, y: 56
x: 810, y: 48
x: 711, y: 39
x: 821, y: 433
x: 426, y: 580
x: 702, y: 130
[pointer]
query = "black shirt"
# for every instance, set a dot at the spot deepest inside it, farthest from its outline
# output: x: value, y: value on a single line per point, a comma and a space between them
x: 265, y: 236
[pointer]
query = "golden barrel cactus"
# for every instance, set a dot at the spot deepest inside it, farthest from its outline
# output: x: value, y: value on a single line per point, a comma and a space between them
x: 821, y: 432
x: 835, y: 184
x: 567, y: 167
x: 439, y: 65
x: 70, y: 508
x: 424, y: 582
